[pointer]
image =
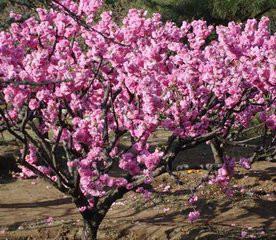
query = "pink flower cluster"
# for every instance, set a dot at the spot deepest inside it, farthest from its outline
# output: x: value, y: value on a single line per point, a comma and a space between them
x: 193, y: 199
x: 224, y: 175
x: 193, y: 216
x: 245, y: 163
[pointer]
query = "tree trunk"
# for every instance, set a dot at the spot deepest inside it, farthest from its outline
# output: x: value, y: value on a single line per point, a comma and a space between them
x: 217, y: 151
x: 90, y: 230
x: 91, y: 219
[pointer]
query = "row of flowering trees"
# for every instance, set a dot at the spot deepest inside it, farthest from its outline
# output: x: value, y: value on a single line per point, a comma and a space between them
x: 72, y: 88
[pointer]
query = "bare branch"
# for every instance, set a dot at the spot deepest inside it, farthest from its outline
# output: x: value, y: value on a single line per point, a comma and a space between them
x: 32, y: 84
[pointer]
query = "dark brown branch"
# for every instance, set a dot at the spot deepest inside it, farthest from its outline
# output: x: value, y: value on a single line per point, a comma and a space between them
x: 44, y: 177
x: 48, y: 153
x: 9, y: 127
x: 92, y: 81
x: 190, y: 143
x: 33, y: 84
x: 54, y: 46
x: 239, y: 143
x: 105, y: 112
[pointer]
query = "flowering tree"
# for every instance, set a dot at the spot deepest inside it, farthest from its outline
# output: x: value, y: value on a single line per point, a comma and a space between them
x: 84, y: 95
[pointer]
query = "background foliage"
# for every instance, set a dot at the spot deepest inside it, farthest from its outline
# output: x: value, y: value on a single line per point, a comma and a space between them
x: 213, y: 11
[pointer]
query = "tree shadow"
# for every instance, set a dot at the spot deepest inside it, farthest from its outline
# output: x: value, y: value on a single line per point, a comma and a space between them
x: 262, y: 175
x: 265, y: 210
x: 7, y: 165
x: 55, y: 202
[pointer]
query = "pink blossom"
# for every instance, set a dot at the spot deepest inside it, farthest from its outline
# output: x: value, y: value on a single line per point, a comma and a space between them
x: 229, y: 192
x: 72, y: 164
x: 193, y: 199
x: 54, y: 178
x: 82, y: 209
x: 245, y: 163
x: 26, y: 173
x: 50, y: 220
x: 244, y: 234
x: 167, y: 188
x: 193, y: 216
x: 33, y: 104
x: 271, y: 122
x: 165, y: 210
x: 147, y: 195
x: 15, y: 16
x: 129, y: 186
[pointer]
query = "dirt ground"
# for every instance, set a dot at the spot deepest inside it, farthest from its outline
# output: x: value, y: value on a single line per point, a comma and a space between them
x: 30, y: 209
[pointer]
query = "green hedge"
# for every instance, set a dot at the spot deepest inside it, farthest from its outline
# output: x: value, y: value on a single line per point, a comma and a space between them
x: 213, y: 11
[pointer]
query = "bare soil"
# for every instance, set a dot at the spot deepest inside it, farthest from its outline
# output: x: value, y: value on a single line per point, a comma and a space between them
x: 30, y: 209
